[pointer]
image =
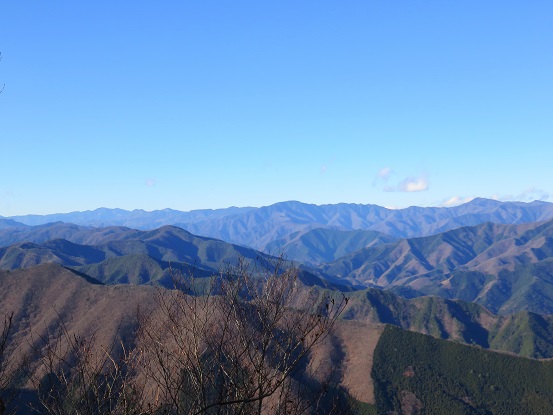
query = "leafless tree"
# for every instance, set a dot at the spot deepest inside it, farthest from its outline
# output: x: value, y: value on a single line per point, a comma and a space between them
x: 75, y: 375
x: 237, y: 343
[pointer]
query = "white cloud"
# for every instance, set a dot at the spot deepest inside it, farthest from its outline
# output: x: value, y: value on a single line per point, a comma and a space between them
x: 413, y: 184
x: 456, y: 201
x: 150, y: 182
x: 410, y: 184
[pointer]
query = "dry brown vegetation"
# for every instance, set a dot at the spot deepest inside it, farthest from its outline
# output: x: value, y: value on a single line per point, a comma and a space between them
x: 245, y: 347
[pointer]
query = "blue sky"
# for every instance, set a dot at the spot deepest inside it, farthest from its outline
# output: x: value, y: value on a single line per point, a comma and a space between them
x: 210, y: 104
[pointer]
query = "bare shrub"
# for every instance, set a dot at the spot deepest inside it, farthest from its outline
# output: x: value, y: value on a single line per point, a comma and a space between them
x: 236, y: 343
x: 75, y: 375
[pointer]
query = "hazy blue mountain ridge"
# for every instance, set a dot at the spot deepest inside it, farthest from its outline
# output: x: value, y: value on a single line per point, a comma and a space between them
x: 9, y: 223
x: 259, y: 227
x: 85, y: 235
x: 138, y: 218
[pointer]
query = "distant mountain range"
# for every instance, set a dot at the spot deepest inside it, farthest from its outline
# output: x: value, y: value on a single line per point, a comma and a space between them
x: 260, y: 227
x: 138, y: 218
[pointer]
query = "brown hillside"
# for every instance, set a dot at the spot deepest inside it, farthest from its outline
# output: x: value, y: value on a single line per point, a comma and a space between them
x: 42, y: 295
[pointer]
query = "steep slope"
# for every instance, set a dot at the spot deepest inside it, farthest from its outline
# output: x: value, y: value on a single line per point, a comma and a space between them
x: 47, y: 296
x: 317, y: 246
x: 44, y: 297
x: 524, y: 333
x: 507, y: 268
x: 384, y: 264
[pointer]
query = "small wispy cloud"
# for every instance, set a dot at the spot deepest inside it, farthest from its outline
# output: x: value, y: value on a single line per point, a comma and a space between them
x: 150, y: 182
x: 382, y: 176
x: 528, y: 195
x: 384, y: 173
x: 325, y: 166
x: 409, y: 184
x: 532, y: 193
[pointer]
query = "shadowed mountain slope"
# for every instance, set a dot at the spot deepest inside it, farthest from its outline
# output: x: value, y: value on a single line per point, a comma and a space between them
x: 124, y: 255
x: 164, y: 244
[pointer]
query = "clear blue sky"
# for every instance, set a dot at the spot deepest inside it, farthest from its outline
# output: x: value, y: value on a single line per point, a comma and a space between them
x: 210, y: 104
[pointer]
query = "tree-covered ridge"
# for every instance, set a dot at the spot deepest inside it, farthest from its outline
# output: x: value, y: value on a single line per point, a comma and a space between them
x: 523, y: 333
x: 419, y: 374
